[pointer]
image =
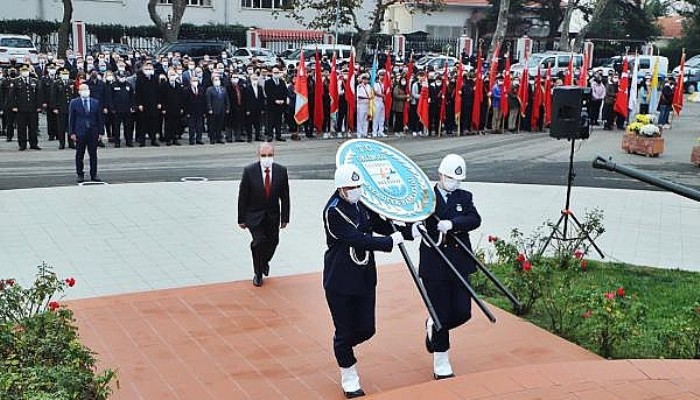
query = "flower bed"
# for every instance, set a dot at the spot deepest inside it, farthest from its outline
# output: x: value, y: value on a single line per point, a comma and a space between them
x: 643, y: 137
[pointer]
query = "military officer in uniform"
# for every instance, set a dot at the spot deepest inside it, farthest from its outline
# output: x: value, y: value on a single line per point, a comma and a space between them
x: 349, y: 272
x: 457, y: 216
x: 62, y: 92
x: 47, y: 80
x: 25, y: 100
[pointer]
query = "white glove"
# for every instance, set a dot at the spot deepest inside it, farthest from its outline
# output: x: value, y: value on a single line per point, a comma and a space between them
x: 397, y: 238
x: 444, y: 225
x: 415, y: 230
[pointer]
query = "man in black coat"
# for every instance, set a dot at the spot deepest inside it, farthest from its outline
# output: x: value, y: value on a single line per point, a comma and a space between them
x: 172, y: 107
x: 254, y: 103
x: 148, y: 105
x: 237, y: 110
x: 276, y: 94
x: 263, y: 208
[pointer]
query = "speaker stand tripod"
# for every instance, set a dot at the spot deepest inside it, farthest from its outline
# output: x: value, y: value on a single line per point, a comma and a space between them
x: 561, y: 233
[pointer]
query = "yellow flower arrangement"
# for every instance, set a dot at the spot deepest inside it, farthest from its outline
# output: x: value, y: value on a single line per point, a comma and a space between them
x: 643, y: 119
x: 635, y: 126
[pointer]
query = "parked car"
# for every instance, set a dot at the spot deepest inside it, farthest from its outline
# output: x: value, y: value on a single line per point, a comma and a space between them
x: 247, y: 54
x: 691, y: 74
x: 18, y: 47
x: 195, y: 49
x: 558, y: 61
x: 342, y: 53
x: 437, y: 63
x: 646, y: 66
x: 120, y: 48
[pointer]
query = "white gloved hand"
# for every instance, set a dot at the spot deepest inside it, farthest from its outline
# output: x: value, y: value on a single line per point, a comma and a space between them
x: 415, y: 230
x: 397, y: 238
x: 444, y: 226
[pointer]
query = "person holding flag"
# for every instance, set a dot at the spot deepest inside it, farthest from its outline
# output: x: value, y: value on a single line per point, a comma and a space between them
x: 547, y: 99
x: 387, y: 86
x: 680, y: 88
x: 535, y: 120
x: 301, y: 88
x: 350, y: 88
x: 416, y: 90
x: 407, y: 110
x: 633, y: 91
x: 378, y: 113
x: 364, y: 101
x: 318, y: 108
x: 333, y: 93
x: 622, y: 99
x: 653, y: 94
x: 423, y: 108
x: 478, y: 95
x: 458, y: 87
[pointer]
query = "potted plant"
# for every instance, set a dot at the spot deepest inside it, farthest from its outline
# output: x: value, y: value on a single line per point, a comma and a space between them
x: 695, y: 155
x: 643, y: 137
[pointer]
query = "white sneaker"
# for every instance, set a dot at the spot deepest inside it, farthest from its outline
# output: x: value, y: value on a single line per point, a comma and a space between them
x: 441, y: 365
x: 415, y: 134
x: 350, y: 382
x: 326, y: 135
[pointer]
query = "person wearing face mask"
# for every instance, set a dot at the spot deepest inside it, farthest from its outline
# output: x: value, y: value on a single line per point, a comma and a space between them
x: 85, y: 124
x: 609, y: 102
x: 46, y: 81
x: 666, y: 101
x: 263, y: 207
x: 597, y: 96
x: 62, y: 92
x: 8, y: 117
x: 495, y: 95
x: 173, y: 108
x: 148, y: 105
x: 456, y: 217
x: 399, y: 97
x: 195, y: 108
x: 25, y: 98
x: 120, y: 103
x: 217, y: 108
x: 276, y: 96
x: 236, y: 114
x: 253, y: 104
x: 349, y: 270
x: 97, y: 91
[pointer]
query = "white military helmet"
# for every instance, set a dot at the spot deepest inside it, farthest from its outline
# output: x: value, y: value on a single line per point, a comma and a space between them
x: 453, y: 166
x: 347, y: 175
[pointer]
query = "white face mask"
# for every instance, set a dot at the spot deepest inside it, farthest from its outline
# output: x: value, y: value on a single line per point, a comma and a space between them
x: 235, y: 80
x: 65, y: 77
x: 110, y: 79
x: 25, y: 74
x: 353, y: 195
x: 84, y: 94
x: 190, y: 66
x: 148, y: 72
x: 172, y: 78
x: 266, y: 162
x: 194, y: 84
x: 449, y: 184
x: 216, y: 83
x: 52, y: 72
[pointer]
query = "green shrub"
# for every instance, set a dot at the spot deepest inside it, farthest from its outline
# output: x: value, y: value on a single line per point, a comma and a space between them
x: 41, y: 356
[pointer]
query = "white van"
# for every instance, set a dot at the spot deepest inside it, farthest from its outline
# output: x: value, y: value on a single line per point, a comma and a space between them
x: 646, y: 66
x: 342, y: 52
x: 557, y: 60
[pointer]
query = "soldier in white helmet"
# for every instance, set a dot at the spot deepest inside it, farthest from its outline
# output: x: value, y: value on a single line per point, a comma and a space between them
x: 349, y: 271
x: 456, y: 216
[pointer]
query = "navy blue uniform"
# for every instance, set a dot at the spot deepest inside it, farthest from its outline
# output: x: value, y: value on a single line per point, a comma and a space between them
x: 350, y: 273
x: 119, y: 98
x: 451, y: 300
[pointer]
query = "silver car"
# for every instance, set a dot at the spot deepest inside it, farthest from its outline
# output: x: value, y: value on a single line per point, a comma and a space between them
x: 18, y: 47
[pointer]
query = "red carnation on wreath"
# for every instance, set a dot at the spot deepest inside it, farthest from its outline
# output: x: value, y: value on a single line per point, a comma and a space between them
x: 620, y: 292
x: 578, y: 254
x: 521, y: 258
x: 53, y: 305
x: 527, y: 266
x: 493, y: 238
x: 70, y: 282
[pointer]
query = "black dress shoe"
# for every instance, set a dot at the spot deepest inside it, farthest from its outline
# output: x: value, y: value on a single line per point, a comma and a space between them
x: 95, y: 179
x: 248, y: 140
x: 200, y: 142
x: 176, y: 143
x: 129, y: 144
x: 356, y: 393
x: 440, y: 377
x: 61, y: 146
x: 280, y: 139
x: 259, y: 138
x: 155, y: 143
x: 142, y: 144
x: 35, y: 148
x: 257, y: 280
x: 117, y: 145
x: 239, y: 140
x: 80, y: 179
x: 22, y: 148
x: 220, y: 142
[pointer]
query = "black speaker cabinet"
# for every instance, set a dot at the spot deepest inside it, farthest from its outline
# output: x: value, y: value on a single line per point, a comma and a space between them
x: 569, y: 121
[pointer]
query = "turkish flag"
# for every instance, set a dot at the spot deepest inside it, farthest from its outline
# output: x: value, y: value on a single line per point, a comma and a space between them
x: 622, y: 97
x: 423, y: 106
x: 506, y: 88
x: 569, y: 74
x: 301, y: 87
x: 443, y: 96
x: 387, y: 87
x: 523, y: 90
x: 536, y: 101
x: 458, y: 95
x: 493, y: 68
x: 583, y: 77
x: 548, y: 98
x: 333, y: 87
x: 350, y: 91
x: 478, y: 94
x: 679, y: 89
x: 318, y: 95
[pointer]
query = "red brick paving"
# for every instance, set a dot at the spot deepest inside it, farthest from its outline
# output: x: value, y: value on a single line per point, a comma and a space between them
x: 235, y: 341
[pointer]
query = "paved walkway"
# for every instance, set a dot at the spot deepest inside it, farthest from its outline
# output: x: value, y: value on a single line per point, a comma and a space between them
x: 234, y: 341
x: 133, y: 237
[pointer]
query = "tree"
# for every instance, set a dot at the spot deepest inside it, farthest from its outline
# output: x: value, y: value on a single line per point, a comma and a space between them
x: 622, y: 19
x: 170, y: 29
x: 64, y: 28
x: 600, y: 6
x: 501, y: 27
x: 564, y: 39
x: 324, y: 15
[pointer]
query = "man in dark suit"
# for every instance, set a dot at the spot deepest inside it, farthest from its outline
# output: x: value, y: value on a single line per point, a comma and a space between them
x: 253, y: 103
x: 217, y: 107
x: 173, y: 104
x: 86, y: 126
x: 237, y: 111
x: 276, y: 95
x: 457, y: 217
x: 195, y: 106
x: 147, y: 103
x: 263, y: 208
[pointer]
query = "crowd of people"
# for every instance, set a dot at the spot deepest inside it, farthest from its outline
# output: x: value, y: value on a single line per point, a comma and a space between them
x: 174, y: 98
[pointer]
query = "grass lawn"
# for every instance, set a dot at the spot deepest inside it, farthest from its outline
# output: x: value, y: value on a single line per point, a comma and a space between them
x: 660, y: 319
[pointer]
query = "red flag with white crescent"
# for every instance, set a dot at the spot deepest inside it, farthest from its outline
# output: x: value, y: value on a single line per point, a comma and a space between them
x: 333, y: 87
x: 301, y: 87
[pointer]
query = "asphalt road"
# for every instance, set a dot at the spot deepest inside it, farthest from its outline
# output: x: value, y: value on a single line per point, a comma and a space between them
x: 509, y: 158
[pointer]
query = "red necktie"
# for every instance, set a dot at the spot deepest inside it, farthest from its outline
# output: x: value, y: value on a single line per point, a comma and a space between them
x: 268, y: 184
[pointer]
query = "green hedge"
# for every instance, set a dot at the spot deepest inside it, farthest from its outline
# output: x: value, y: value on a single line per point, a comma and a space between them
x: 113, y: 32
